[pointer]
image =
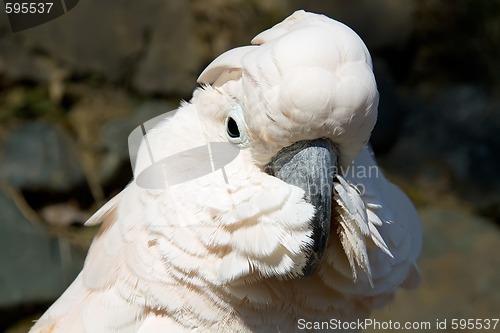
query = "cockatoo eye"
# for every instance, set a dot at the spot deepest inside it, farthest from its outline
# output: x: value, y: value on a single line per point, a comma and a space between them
x: 232, y: 128
x: 235, y: 126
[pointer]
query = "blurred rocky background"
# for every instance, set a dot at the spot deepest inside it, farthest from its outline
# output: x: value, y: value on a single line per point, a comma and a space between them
x: 73, y: 89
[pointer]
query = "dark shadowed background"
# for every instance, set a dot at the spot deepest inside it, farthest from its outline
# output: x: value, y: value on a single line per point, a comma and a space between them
x: 73, y: 89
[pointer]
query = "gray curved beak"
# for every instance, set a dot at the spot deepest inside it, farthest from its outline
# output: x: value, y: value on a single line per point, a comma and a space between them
x: 308, y: 165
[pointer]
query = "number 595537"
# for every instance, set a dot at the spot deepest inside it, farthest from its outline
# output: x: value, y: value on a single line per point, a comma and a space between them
x: 28, y: 7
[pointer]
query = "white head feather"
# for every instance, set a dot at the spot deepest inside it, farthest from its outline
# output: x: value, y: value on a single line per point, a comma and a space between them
x: 309, y: 77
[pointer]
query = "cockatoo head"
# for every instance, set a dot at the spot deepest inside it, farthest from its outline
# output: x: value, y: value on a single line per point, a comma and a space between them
x: 296, y: 106
x: 308, y: 77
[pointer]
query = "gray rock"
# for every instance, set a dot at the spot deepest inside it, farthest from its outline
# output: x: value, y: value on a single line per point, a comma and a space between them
x: 36, y: 267
x: 171, y: 60
x: 17, y: 63
x: 150, y: 43
x: 98, y: 37
x: 221, y: 25
x: 40, y: 156
x: 4, y: 26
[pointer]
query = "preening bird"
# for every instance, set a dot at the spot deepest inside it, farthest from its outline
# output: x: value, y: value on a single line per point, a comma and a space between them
x: 296, y: 223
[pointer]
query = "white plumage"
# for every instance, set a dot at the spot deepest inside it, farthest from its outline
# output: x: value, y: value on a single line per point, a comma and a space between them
x: 227, y: 251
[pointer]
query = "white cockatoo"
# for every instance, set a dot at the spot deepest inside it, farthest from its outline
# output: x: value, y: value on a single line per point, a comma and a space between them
x: 296, y: 228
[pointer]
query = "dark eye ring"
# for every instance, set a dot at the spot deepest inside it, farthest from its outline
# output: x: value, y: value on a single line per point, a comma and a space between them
x: 232, y: 128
